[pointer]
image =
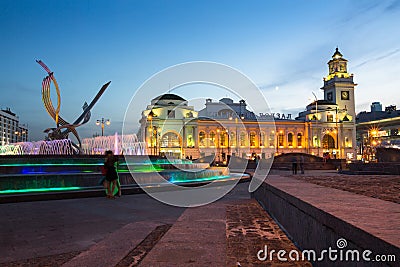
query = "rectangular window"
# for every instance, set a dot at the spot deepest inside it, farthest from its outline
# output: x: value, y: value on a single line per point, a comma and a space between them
x: 329, y: 118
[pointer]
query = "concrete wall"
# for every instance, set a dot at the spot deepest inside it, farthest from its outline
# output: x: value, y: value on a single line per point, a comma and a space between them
x: 312, y: 228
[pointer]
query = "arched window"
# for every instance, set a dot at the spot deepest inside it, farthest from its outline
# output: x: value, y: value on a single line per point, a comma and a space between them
x: 290, y: 139
x: 328, y: 142
x: 252, y: 139
x: 170, y: 139
x: 212, y: 139
x: 232, y: 139
x: 202, y: 139
x: 280, y: 138
x: 224, y: 139
x: 242, y: 139
x: 299, y: 140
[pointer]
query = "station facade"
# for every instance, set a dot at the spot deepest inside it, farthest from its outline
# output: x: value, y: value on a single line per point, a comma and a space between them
x: 171, y: 127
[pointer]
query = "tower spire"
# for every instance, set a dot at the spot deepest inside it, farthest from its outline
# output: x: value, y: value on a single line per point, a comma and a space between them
x: 337, y: 54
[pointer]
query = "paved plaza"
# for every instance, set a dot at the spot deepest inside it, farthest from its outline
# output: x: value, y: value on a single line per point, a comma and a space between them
x: 385, y: 187
x: 42, y: 228
x: 136, y: 230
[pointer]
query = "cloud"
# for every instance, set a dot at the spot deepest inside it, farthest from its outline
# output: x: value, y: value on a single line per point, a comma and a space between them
x: 391, y: 53
x: 394, y: 6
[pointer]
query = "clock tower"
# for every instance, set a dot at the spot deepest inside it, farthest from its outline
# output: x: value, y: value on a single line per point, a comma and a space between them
x: 339, y: 89
x: 339, y: 86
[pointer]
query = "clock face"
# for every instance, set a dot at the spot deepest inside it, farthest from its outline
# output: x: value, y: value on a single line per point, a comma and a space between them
x: 345, y: 95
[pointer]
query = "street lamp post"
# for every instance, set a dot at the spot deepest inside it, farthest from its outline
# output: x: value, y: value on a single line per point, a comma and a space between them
x: 219, y: 138
x: 155, y: 136
x: 227, y: 136
x: 103, y: 122
x: 236, y: 138
x: 150, y: 118
x: 316, y: 127
x: 158, y: 141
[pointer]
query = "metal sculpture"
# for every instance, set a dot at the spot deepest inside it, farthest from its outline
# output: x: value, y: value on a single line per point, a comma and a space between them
x: 63, y: 128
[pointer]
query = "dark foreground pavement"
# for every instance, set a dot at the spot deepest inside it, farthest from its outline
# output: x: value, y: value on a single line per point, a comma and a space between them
x: 41, y: 228
x: 136, y: 230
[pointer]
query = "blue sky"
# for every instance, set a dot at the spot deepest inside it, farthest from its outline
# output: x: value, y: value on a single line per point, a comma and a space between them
x: 283, y: 46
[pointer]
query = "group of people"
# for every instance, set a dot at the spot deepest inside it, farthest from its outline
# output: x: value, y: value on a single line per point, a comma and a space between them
x: 298, y: 162
x: 111, y: 179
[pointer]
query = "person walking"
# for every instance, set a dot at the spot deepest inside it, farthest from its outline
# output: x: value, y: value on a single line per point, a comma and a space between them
x: 111, y: 174
x: 294, y: 165
x: 302, y: 164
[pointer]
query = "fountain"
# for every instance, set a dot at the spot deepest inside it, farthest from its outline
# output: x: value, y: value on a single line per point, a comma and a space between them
x: 120, y: 144
x: 54, y: 147
x: 37, y: 173
x: 126, y: 145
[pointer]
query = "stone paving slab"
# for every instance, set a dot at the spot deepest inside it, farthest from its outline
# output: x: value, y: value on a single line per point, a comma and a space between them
x: 249, y: 229
x: 114, y: 247
x: 226, y: 233
x: 135, y: 256
x: 53, y: 260
x: 197, y: 238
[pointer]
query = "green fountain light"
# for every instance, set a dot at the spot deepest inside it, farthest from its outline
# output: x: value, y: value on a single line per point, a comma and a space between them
x: 35, y: 190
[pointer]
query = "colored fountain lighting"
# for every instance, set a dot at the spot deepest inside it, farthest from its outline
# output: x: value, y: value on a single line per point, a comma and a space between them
x: 37, y: 190
x: 204, y: 179
x: 143, y: 169
x: 49, y: 164
x: 36, y: 175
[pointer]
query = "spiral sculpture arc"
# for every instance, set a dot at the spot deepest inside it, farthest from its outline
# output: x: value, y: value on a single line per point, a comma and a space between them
x: 63, y: 128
